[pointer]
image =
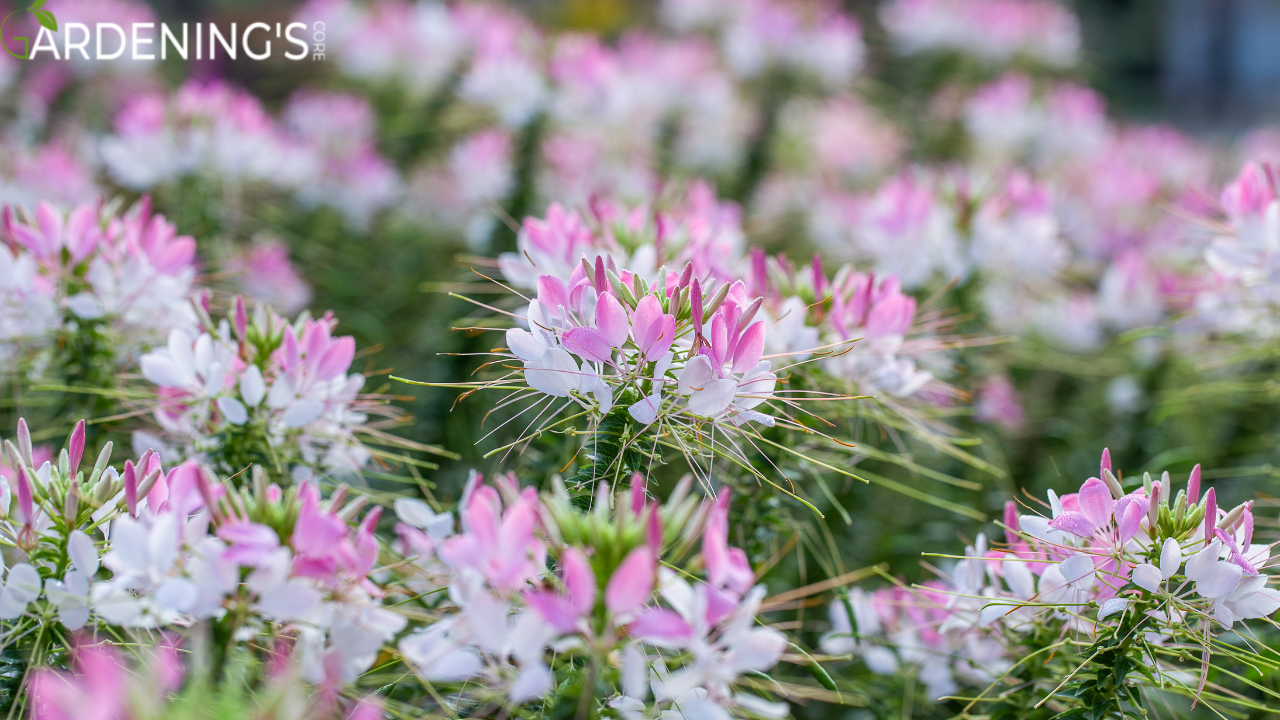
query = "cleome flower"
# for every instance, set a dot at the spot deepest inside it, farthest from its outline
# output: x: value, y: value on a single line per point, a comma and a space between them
x: 265, y: 390
x: 508, y: 625
x: 122, y: 279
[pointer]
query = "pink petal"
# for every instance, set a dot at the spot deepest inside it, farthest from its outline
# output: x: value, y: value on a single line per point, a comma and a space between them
x: 1096, y: 502
x: 552, y: 294
x: 1131, y: 521
x: 647, y: 312
x: 631, y: 583
x: 556, y: 610
x: 611, y: 320
x: 50, y: 221
x: 337, y: 359
x: 750, y: 348
x: 1073, y: 522
x: 661, y: 626
x: 579, y: 581
x: 588, y: 344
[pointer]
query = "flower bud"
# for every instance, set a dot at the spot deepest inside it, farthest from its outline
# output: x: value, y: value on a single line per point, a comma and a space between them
x: 71, y: 504
x: 1113, y: 484
x: 1193, y: 485
x: 24, y: 443
x: 750, y: 314
x: 240, y: 319
x: 104, y: 457
x: 716, y: 301
x: 1153, y: 512
x: 1231, y: 518
x: 1210, y: 515
x: 75, y: 449
x: 148, y: 482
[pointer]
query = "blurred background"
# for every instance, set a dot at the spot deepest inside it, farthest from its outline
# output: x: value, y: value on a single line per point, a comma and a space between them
x: 1211, y: 66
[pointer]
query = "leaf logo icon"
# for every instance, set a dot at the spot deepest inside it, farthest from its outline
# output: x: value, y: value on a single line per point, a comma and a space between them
x: 44, y: 17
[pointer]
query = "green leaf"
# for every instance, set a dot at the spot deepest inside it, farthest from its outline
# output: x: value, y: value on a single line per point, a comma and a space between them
x: 36, y: 5
x: 47, y: 20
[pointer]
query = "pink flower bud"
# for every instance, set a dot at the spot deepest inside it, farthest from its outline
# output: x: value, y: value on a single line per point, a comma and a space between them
x: 1193, y: 486
x: 1210, y: 514
x: 75, y: 447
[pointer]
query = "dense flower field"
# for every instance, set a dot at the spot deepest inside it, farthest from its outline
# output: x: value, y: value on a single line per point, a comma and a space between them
x: 749, y: 361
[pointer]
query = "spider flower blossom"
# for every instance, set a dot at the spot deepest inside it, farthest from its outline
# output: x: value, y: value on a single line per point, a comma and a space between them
x: 102, y: 683
x: 130, y: 272
x: 686, y: 644
x: 1246, y: 257
x: 205, y: 128
x: 192, y: 548
x: 994, y: 30
x: 227, y: 386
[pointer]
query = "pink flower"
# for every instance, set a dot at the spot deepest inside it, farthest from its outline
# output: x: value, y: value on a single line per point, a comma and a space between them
x: 265, y: 273
x: 500, y: 547
x: 97, y: 690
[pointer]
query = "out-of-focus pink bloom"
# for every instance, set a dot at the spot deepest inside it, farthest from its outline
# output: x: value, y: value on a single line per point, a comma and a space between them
x: 264, y: 273
x: 96, y: 691
x: 998, y: 403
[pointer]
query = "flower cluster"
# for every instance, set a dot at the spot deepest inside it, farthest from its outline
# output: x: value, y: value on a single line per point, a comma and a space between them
x: 258, y: 389
x: 321, y: 152
x: 102, y: 683
x: 1142, y: 568
x: 180, y: 546
x: 996, y: 31
x: 657, y: 641
x: 125, y: 277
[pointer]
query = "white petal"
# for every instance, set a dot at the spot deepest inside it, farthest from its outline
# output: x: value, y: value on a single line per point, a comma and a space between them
x: 302, y: 412
x: 73, y: 617
x: 1219, y: 581
x: 252, y: 387
x: 159, y: 368
x: 556, y: 374
x: 233, y: 410
x: 1077, y: 569
x: 24, y: 583
x: 645, y: 412
x: 1019, y: 578
x: 288, y: 601
x: 1260, y: 604
x: 1170, y: 558
x: 1199, y: 565
x: 1112, y: 606
x: 83, y: 553
x: 713, y: 399
x: 1147, y: 577
x: 176, y: 594
x: 526, y: 345
x: 696, y: 374
x: 282, y: 393
x: 11, y: 607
